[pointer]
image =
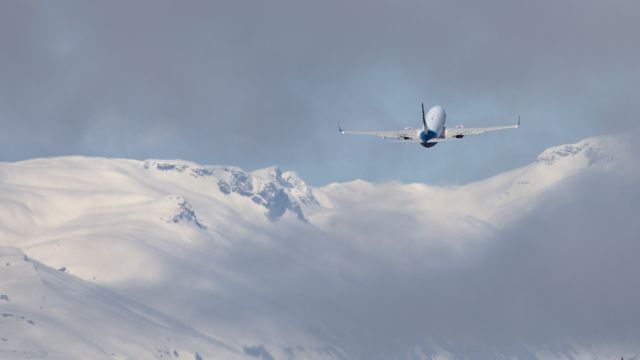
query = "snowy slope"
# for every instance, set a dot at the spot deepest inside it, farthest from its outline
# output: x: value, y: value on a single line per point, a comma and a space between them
x: 47, y: 313
x: 224, y: 260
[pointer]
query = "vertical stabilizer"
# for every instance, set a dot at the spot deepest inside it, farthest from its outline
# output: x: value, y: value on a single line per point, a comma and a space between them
x: 424, y: 119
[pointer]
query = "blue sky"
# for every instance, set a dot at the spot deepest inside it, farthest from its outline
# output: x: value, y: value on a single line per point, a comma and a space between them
x: 255, y: 85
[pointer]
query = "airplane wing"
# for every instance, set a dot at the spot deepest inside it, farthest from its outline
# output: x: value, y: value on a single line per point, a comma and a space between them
x: 409, y: 135
x: 460, y: 132
x: 405, y: 135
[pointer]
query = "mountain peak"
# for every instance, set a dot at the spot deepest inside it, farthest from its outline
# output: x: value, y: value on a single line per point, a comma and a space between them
x: 591, y: 151
x: 276, y: 191
x: 270, y: 172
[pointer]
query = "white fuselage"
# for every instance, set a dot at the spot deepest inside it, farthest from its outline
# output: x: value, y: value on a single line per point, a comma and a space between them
x: 434, y: 120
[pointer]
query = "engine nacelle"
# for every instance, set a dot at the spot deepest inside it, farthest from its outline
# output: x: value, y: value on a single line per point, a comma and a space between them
x: 429, y: 145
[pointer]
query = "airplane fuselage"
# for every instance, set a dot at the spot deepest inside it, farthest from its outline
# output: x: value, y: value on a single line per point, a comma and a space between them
x: 433, y: 130
x: 433, y: 127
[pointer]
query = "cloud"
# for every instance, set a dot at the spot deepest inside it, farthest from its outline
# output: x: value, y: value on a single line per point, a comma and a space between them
x: 214, y: 82
x: 560, y: 279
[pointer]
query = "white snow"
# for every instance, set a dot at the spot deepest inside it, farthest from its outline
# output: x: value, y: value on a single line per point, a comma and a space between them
x: 165, y: 257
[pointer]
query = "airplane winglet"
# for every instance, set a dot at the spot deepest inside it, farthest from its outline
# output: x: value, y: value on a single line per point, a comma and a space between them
x: 518, y: 124
x: 339, y: 128
x: 424, y: 120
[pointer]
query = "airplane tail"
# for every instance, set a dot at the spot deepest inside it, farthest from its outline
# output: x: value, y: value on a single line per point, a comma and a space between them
x: 424, y: 119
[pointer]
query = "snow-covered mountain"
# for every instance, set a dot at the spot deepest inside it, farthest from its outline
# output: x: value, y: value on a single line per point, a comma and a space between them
x: 113, y: 258
x: 49, y: 314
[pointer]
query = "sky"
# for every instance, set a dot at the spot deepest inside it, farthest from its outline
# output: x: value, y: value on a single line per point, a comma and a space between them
x: 256, y: 84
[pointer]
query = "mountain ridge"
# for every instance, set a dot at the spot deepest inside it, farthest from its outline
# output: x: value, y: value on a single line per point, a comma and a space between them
x: 219, y: 248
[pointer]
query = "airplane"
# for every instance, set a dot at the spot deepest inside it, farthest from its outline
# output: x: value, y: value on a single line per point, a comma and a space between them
x: 433, y: 130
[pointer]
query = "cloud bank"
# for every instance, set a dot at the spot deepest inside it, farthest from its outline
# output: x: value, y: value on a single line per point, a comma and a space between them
x: 255, y: 85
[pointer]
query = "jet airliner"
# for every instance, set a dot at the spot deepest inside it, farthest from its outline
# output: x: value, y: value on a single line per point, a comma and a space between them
x: 433, y: 130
